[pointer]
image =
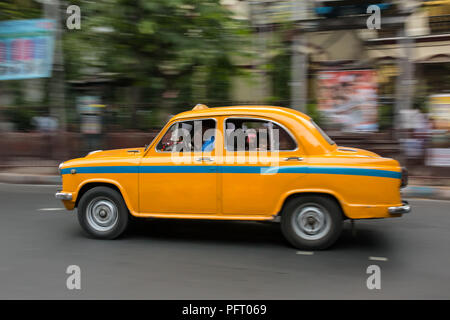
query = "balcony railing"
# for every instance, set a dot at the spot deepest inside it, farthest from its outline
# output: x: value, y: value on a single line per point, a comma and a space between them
x: 439, y: 24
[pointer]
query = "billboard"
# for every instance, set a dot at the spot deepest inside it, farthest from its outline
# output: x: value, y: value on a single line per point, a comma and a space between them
x: 348, y: 100
x: 280, y: 11
x: 439, y: 152
x: 26, y: 49
x: 90, y: 111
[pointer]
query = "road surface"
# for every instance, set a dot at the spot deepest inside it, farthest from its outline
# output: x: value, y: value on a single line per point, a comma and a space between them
x: 183, y: 259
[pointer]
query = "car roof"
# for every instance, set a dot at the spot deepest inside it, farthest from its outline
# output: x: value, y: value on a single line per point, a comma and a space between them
x: 241, y: 110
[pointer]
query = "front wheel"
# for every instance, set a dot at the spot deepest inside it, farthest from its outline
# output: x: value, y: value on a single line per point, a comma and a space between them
x: 102, y: 213
x: 311, y: 222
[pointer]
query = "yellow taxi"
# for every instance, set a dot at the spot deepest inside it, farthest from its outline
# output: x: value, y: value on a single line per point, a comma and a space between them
x: 258, y: 163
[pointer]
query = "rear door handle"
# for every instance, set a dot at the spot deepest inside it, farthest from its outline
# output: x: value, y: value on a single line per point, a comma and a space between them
x: 293, y: 159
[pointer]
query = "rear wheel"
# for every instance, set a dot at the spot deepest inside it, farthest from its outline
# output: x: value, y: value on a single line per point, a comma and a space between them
x: 102, y: 213
x: 311, y: 222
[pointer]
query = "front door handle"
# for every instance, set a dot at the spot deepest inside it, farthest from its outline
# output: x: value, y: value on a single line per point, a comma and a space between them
x: 293, y: 159
x: 204, y: 159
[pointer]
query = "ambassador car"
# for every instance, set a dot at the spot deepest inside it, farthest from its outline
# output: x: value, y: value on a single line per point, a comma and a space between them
x: 255, y: 163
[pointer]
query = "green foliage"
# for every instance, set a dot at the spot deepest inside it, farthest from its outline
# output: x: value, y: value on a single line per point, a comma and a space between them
x: 385, y: 116
x: 280, y: 73
x: 314, y: 113
x: 157, y: 46
x: 420, y: 102
x: 218, y: 80
x: 20, y: 116
x: 19, y: 9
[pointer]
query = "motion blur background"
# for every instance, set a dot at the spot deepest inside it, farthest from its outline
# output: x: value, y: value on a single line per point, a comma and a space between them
x: 116, y: 80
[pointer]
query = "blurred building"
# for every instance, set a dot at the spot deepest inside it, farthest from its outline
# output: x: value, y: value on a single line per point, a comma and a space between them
x: 335, y: 37
x: 399, y: 68
x: 428, y: 29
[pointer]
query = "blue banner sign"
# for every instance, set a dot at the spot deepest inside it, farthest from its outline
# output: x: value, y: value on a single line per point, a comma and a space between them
x: 26, y: 49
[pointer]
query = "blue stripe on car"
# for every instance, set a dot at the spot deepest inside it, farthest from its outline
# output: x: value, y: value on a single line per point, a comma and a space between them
x: 236, y: 169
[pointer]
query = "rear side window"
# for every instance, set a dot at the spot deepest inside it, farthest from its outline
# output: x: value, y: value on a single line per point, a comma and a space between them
x: 248, y: 134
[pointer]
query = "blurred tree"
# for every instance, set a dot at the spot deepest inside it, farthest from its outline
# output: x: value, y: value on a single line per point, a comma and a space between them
x: 280, y: 73
x: 156, y: 47
x: 279, y: 66
x: 19, y: 9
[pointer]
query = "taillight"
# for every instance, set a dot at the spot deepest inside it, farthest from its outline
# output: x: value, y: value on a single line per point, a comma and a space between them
x: 404, y: 177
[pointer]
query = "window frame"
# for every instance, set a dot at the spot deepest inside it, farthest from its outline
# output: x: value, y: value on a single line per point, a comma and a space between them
x: 225, y: 144
x: 324, y: 135
x: 186, y: 120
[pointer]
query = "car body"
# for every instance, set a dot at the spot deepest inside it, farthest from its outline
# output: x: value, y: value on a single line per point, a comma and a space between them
x: 303, y: 164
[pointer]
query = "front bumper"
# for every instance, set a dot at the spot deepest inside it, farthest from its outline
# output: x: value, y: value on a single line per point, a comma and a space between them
x: 63, y: 196
x: 405, y: 208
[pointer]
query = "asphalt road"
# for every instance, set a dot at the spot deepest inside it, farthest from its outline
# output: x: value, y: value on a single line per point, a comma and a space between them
x: 180, y: 259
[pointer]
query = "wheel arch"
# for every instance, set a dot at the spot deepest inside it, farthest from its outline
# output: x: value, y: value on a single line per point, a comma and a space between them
x: 89, y: 184
x: 321, y: 193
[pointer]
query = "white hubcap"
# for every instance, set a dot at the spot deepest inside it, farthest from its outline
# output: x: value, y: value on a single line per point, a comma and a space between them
x: 311, y: 221
x: 102, y: 214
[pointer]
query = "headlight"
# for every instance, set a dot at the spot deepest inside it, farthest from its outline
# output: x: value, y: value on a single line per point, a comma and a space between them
x: 59, y: 167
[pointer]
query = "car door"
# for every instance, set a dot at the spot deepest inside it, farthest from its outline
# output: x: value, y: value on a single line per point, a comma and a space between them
x: 179, y: 173
x: 256, y: 175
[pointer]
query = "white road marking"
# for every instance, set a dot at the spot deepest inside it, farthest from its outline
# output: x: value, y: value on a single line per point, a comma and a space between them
x: 305, y: 253
x: 9, y: 185
x: 378, y: 258
x: 51, y: 209
x: 424, y: 199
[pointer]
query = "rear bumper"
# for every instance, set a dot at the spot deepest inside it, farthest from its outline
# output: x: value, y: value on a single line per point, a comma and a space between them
x: 63, y: 196
x: 404, y: 208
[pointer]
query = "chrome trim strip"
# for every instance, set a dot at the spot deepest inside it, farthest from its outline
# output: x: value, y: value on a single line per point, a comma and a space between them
x: 405, y: 208
x: 92, y: 152
x: 63, y: 196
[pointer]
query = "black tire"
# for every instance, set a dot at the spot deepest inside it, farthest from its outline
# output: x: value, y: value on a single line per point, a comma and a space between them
x: 113, y: 206
x: 323, y: 216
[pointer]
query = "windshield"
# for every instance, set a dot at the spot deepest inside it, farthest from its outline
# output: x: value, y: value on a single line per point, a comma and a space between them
x: 324, y: 135
x: 148, y: 145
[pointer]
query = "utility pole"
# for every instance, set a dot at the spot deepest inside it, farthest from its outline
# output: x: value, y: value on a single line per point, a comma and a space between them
x: 262, y: 61
x: 52, y: 10
x: 299, y: 74
x: 258, y: 18
x: 404, y: 86
x: 299, y: 60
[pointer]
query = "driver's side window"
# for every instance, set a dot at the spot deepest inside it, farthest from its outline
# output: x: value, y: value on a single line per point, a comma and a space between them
x: 188, y: 136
